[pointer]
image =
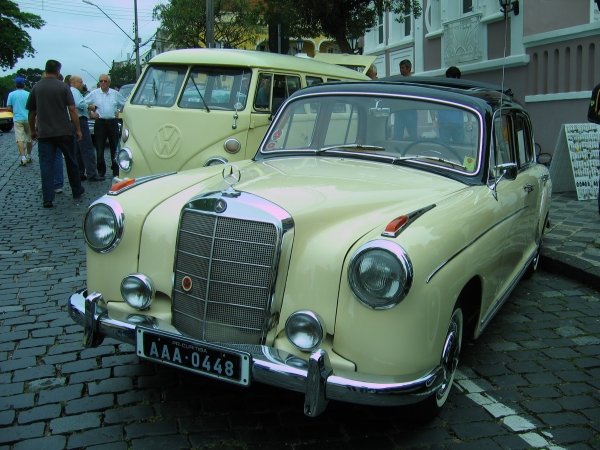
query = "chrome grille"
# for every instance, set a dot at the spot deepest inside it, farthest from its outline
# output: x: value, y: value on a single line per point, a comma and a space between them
x: 230, y: 262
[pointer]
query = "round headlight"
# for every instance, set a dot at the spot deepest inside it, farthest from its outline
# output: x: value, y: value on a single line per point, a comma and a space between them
x: 137, y: 290
x: 305, y: 330
x: 125, y: 159
x: 380, y: 274
x: 103, y: 225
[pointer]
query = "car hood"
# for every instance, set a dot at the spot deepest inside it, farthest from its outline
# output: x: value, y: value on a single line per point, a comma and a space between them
x: 328, y: 192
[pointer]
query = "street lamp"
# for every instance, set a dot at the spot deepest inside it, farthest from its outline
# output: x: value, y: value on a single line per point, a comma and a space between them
x: 90, y: 48
x: 507, y: 6
x: 96, y: 79
x: 135, y: 40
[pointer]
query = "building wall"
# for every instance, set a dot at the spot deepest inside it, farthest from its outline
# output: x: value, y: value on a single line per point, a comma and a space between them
x: 542, y: 16
x: 548, y: 54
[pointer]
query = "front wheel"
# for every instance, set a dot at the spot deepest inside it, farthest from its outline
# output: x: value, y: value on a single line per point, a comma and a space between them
x: 430, y: 408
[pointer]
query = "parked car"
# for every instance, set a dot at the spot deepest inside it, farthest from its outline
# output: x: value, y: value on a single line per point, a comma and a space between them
x: 6, y: 120
x: 378, y: 226
x: 197, y: 107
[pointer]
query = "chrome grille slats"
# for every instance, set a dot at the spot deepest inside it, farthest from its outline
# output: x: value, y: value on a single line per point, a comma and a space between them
x: 232, y: 265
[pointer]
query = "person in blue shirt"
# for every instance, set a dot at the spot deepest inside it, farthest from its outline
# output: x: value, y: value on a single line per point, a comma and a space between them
x: 17, y: 101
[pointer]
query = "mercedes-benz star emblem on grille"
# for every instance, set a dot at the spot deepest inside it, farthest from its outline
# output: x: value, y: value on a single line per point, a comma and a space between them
x: 220, y: 206
x: 186, y: 283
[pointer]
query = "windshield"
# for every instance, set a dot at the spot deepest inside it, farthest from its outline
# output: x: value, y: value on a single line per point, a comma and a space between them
x: 202, y: 88
x: 418, y: 130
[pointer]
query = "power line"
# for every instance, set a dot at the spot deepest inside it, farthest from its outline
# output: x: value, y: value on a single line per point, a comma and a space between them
x: 39, y: 8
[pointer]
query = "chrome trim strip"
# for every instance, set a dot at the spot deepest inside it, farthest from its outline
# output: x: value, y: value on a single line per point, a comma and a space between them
x: 445, y: 262
x: 316, y: 378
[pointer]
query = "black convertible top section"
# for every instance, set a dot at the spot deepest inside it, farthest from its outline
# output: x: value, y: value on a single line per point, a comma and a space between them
x: 452, y: 89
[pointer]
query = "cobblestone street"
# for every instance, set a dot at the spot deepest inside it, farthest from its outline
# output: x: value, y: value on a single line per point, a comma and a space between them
x: 531, y: 381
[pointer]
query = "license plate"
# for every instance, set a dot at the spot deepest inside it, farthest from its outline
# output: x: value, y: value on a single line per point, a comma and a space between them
x: 199, y: 357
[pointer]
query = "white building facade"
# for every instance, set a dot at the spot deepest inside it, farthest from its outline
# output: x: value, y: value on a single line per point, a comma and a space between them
x: 546, y: 51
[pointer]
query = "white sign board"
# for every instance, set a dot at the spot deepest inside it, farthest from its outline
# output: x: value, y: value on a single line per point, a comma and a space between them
x: 575, y: 163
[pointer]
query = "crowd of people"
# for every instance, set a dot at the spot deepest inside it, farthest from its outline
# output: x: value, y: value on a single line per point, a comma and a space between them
x: 56, y: 113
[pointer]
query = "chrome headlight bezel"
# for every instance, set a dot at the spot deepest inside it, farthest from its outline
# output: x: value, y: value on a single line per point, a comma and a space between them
x: 138, y: 291
x: 388, y: 266
x: 125, y: 159
x: 103, y: 225
x: 305, y: 330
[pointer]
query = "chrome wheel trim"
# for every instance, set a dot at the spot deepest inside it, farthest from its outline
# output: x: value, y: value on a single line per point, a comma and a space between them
x: 450, y: 356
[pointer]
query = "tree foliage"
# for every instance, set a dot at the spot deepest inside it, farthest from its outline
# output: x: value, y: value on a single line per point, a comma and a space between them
x: 337, y: 19
x: 184, y: 21
x: 7, y: 83
x: 121, y: 74
x: 15, y: 41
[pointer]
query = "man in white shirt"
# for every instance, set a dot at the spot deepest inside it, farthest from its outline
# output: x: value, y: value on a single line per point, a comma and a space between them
x: 104, y: 104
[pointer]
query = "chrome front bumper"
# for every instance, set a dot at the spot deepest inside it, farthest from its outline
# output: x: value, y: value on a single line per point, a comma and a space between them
x: 315, y: 378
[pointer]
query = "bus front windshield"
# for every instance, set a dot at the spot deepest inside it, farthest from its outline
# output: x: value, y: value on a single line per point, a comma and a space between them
x: 201, y: 87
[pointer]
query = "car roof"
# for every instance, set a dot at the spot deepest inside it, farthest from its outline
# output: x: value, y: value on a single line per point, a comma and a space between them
x: 468, y: 92
x: 252, y: 58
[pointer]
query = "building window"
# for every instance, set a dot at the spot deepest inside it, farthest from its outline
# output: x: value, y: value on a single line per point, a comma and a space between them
x: 467, y: 6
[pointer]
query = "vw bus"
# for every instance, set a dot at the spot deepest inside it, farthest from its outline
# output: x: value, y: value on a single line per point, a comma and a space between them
x: 199, y: 107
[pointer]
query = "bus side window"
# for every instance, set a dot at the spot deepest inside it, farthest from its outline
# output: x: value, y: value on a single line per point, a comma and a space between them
x: 312, y: 80
x: 285, y: 85
x: 263, y: 92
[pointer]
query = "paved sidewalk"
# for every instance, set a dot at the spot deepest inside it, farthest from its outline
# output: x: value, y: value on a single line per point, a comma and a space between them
x: 572, y: 244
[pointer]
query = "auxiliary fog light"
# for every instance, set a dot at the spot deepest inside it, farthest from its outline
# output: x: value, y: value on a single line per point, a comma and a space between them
x: 137, y: 290
x: 305, y: 330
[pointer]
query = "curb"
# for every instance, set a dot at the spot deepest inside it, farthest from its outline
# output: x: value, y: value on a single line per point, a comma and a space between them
x: 571, y: 267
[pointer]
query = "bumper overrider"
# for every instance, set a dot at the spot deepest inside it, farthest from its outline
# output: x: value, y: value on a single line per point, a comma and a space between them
x: 315, y: 378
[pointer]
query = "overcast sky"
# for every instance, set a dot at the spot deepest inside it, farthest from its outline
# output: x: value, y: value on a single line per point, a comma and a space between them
x: 72, y: 23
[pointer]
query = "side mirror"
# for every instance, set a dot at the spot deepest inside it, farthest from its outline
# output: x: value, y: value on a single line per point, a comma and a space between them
x: 509, y: 171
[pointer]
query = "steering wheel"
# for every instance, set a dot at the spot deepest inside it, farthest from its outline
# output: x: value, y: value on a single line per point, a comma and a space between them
x: 426, y: 143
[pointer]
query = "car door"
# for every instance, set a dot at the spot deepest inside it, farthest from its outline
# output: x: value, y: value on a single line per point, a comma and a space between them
x: 512, y: 186
x: 534, y: 178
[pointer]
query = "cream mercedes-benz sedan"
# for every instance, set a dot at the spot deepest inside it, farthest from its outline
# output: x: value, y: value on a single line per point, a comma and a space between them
x: 379, y: 225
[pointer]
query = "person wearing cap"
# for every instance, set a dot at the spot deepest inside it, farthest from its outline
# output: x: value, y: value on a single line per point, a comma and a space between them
x: 17, y: 101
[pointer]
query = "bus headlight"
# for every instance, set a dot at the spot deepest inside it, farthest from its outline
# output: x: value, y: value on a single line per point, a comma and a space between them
x: 125, y: 159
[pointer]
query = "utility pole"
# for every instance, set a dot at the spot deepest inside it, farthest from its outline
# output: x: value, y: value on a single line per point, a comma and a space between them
x: 138, y: 67
x: 210, y: 24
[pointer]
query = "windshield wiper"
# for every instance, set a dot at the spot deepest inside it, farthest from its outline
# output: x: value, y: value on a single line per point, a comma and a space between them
x: 199, y: 93
x: 430, y: 158
x: 359, y: 147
